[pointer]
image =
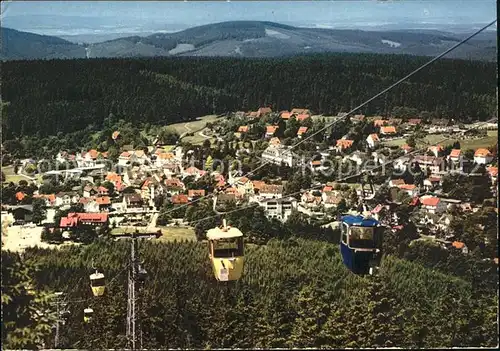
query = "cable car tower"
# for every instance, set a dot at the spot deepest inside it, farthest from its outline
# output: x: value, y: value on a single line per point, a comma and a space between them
x: 136, y: 274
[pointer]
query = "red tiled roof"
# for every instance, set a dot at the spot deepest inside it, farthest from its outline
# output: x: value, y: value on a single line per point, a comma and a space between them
x: 388, y: 130
x: 271, y: 129
x: 493, y: 171
x: 458, y: 245
x: 264, y: 110
x: 344, y: 143
x: 275, y: 141
x: 303, y: 117
x: 115, y: 134
x: 258, y: 184
x: 455, y: 153
x: 379, y: 122
x: 414, y: 121
x: 397, y: 182
x: 125, y: 154
x: 20, y: 195
x: 93, y: 154
x: 327, y: 189
x: 194, y: 192
x: 302, y: 130
x: 300, y: 111
x: 243, y: 129
x: 316, y: 163
x: 271, y: 189
x: 72, y: 219
x: 430, y: 201
x: 374, y: 137
x: 103, y: 200
x: 482, y: 152
x: 286, y: 115
x: 407, y: 186
x: 180, y: 199
x: 406, y: 147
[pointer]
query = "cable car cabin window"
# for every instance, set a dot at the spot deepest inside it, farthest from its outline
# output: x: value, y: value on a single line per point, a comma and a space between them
x: 344, y: 229
x: 228, y: 248
x: 361, y: 237
x: 97, y: 282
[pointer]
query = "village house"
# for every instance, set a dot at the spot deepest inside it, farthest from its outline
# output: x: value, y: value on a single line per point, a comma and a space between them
x: 195, y: 194
x: 270, y: 130
x: 460, y: 246
x: 89, y: 204
x: 414, y: 122
x: 279, y: 208
x: 278, y: 154
x: 455, y: 156
x: 174, y: 186
x: 124, y: 158
x: 433, y: 163
x: 379, y: 123
x: 483, y: 156
x: 193, y: 171
x: 76, y: 219
x: 396, y: 182
x: 395, y: 121
x: 493, y: 172
x: 285, y: 115
x: 373, y: 141
x: 302, y: 117
x: 308, y: 200
x: 263, y: 111
x: 436, y: 150
x: 300, y: 111
x: 164, y: 158
x: 388, y: 130
x: 330, y: 199
x: 179, y: 199
x: 301, y: 131
x: 410, y: 189
x: 406, y: 148
x: 104, y: 203
x: 357, y: 118
x: 343, y: 144
x: 244, y: 186
x: 50, y: 199
x: 432, y: 182
x: 432, y: 204
x: 132, y: 203
x: 66, y: 199
x: 270, y: 191
x: 252, y: 114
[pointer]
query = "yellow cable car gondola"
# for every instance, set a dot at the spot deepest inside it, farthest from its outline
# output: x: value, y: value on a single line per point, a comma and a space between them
x: 226, y: 252
x: 97, y: 283
x: 87, y: 314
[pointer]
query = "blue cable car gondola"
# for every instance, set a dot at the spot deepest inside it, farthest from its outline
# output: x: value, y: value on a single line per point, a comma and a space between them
x: 360, y: 243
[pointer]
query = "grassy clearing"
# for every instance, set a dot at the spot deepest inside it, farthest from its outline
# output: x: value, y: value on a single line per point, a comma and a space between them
x: 129, y: 230
x: 10, y: 176
x: 396, y: 142
x: 193, y: 127
x: 177, y: 233
x: 485, y: 142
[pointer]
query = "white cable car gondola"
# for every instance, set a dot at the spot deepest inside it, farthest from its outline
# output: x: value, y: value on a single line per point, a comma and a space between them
x: 97, y: 283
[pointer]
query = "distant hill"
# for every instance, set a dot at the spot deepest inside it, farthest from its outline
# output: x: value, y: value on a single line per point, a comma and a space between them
x: 17, y: 45
x: 268, y: 39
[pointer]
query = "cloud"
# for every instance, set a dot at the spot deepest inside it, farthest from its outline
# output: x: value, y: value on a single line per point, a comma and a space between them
x: 426, y: 12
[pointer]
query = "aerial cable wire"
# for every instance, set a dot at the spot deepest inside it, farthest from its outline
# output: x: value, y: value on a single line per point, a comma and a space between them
x: 463, y: 41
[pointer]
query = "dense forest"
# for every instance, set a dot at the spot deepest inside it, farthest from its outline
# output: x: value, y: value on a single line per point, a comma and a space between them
x: 60, y: 96
x: 294, y: 293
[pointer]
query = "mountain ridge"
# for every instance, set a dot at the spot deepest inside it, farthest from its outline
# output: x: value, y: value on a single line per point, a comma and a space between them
x: 251, y: 39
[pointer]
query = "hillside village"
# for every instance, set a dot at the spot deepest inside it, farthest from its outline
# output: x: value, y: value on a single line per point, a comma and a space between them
x: 147, y: 189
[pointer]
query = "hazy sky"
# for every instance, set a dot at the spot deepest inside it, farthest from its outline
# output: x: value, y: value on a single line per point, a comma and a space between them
x: 302, y: 13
